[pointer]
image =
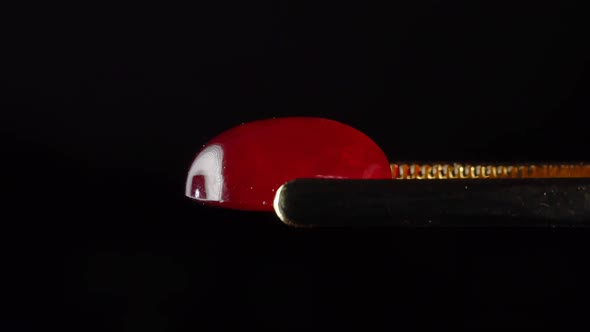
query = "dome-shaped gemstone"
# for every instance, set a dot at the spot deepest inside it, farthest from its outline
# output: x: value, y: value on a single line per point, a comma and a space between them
x: 244, y: 166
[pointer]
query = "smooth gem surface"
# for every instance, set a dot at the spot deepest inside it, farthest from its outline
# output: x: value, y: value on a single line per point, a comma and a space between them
x: 244, y: 166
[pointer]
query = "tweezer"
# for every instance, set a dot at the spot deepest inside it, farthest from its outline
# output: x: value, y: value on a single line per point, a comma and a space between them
x: 544, y: 196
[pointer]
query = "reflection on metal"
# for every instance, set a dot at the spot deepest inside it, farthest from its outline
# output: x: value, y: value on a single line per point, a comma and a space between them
x: 402, y: 171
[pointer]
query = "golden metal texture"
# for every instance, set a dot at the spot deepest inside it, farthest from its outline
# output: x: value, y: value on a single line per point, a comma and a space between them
x: 402, y: 171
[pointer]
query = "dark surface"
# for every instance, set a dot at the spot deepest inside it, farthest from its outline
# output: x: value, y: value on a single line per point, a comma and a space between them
x: 435, y: 203
x: 104, y: 108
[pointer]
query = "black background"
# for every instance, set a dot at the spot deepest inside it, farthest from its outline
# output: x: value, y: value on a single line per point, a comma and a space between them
x: 104, y: 108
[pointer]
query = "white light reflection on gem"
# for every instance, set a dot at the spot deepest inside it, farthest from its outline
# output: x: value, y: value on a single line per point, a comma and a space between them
x: 209, y: 164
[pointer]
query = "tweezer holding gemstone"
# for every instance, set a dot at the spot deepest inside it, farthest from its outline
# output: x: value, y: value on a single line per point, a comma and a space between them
x: 319, y: 172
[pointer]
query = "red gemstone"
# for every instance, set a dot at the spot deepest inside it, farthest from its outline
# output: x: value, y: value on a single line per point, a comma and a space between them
x: 243, y: 167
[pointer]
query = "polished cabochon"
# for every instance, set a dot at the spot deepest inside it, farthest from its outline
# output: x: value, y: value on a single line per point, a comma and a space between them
x: 243, y: 167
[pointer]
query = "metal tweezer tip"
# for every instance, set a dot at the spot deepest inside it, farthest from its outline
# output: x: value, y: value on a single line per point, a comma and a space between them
x: 506, y: 202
